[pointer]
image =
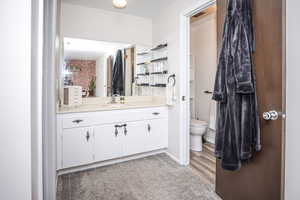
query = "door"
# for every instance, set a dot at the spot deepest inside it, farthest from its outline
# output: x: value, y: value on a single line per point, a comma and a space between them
x: 77, y: 147
x: 261, y: 178
x: 157, y: 134
x: 134, y: 137
x: 108, y: 142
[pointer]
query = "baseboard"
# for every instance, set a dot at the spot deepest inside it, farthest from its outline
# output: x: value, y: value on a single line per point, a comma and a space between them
x: 110, y: 162
x: 173, y: 157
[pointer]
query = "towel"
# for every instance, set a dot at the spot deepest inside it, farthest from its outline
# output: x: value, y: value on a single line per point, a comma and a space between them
x: 171, y: 92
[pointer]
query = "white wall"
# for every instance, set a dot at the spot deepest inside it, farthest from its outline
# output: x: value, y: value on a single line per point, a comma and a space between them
x: 15, y: 114
x: 96, y: 24
x: 166, y: 28
x: 292, y: 175
x: 204, y: 52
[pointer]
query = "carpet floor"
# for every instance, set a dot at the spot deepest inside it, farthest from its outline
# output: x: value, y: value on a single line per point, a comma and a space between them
x: 153, y: 178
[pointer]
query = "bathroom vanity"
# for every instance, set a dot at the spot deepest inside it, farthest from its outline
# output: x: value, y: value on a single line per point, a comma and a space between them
x: 120, y: 112
x: 90, y: 134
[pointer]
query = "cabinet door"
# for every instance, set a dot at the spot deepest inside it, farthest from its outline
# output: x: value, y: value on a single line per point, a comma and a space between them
x: 77, y: 147
x: 157, y: 134
x: 135, y: 135
x: 108, y: 142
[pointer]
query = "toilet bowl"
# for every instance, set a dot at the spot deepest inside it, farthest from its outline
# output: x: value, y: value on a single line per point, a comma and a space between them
x: 197, y: 129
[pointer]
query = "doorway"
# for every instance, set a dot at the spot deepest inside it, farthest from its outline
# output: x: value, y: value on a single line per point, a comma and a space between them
x: 202, y: 69
x: 261, y: 178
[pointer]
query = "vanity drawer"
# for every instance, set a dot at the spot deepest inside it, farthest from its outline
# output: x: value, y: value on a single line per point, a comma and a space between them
x: 75, y: 120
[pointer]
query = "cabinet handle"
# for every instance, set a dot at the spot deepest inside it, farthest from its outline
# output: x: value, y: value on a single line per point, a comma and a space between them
x: 87, y: 136
x: 149, y: 128
x: 125, y: 129
x: 77, y: 121
x: 156, y: 113
x: 116, y: 130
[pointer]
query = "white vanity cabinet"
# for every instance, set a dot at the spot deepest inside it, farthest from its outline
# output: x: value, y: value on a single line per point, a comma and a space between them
x: 108, y: 144
x: 77, y: 146
x: 154, y: 138
x: 85, y: 138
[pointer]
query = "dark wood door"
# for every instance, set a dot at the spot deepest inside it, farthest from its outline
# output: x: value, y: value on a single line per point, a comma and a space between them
x: 262, y: 178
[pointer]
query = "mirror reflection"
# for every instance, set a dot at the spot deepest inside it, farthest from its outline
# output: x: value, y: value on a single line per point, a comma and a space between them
x: 99, y: 69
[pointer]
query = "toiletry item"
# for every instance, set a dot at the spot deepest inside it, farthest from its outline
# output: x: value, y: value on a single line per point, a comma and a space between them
x: 122, y: 100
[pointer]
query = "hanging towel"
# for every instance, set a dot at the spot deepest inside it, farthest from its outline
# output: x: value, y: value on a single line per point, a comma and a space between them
x: 171, y: 91
x: 117, y: 76
x: 238, y: 129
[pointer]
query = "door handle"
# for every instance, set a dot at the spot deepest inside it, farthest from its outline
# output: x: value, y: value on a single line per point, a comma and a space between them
x: 272, y: 115
x: 149, y: 128
x: 87, y: 136
x: 207, y: 92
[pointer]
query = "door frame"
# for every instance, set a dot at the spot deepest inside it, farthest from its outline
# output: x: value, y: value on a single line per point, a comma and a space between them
x: 185, y: 76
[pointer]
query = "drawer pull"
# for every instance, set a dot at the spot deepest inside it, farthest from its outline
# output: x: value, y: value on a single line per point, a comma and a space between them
x: 156, y: 113
x: 87, y: 136
x: 125, y: 129
x: 77, y: 121
x: 116, y: 130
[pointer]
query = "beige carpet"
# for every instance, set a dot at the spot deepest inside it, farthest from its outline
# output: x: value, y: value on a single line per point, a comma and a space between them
x: 152, y: 178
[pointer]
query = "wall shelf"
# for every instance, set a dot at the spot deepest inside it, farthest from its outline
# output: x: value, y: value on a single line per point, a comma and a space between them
x: 159, y: 59
x: 143, y: 84
x: 161, y: 46
x: 159, y: 85
x: 145, y: 74
x: 164, y: 72
x: 152, y: 70
x: 144, y: 63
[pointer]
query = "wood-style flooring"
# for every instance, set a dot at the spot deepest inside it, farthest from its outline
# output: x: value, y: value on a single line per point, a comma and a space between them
x: 204, y: 162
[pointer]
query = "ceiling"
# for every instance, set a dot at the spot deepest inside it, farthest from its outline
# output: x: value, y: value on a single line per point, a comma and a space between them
x: 89, y: 49
x: 142, y: 8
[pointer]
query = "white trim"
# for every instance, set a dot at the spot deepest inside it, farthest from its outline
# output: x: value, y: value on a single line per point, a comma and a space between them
x: 185, y: 77
x: 173, y: 157
x: 36, y: 98
x: 50, y: 59
x: 112, y: 162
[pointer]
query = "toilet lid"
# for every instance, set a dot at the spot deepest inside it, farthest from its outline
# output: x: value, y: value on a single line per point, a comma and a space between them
x: 198, y: 123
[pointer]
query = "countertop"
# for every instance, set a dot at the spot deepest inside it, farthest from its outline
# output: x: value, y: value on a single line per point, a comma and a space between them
x: 108, y: 107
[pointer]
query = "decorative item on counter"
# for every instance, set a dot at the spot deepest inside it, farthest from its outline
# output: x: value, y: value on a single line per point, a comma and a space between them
x: 72, y: 95
x: 122, y: 100
x: 92, y: 87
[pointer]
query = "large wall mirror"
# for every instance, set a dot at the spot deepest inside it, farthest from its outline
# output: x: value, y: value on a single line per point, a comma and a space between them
x: 101, y: 69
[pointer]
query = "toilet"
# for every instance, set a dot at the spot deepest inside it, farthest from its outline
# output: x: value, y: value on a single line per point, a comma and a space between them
x: 197, y: 129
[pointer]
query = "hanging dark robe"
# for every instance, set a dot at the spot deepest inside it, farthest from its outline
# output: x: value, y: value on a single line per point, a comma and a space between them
x: 117, y: 75
x: 238, y: 129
